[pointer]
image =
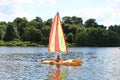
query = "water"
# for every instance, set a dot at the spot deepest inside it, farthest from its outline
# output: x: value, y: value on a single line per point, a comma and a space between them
x: 23, y: 63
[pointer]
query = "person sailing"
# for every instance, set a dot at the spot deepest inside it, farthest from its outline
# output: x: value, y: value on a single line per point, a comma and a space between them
x: 58, y: 58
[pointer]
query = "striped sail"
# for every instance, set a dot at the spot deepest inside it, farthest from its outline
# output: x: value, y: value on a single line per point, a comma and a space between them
x: 57, y: 41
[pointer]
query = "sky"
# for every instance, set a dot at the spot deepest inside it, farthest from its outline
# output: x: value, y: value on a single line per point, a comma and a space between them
x: 106, y: 12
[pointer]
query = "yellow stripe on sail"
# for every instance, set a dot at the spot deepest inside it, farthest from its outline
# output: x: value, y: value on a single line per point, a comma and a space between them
x: 52, y: 43
x: 61, y: 37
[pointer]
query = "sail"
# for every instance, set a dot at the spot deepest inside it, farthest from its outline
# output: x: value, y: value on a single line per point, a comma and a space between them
x: 57, y: 41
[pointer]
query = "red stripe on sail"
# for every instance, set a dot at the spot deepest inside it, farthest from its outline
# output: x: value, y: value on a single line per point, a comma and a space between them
x: 51, y: 32
x: 57, y: 48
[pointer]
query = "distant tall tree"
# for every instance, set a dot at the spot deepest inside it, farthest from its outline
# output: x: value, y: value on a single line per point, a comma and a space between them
x: 11, y: 32
x: 96, y: 36
x: 67, y: 20
x: 48, y: 22
x: 72, y: 20
x: 38, y: 19
x: 66, y: 28
x: 102, y: 26
x: 91, y: 23
x: 115, y: 28
x: 70, y: 38
x: 2, y: 29
x: 81, y: 37
x: 20, y: 24
x: 112, y: 38
x: 45, y: 31
x: 1, y: 33
x: 77, y: 20
x: 37, y: 23
x: 32, y: 34
x: 73, y: 28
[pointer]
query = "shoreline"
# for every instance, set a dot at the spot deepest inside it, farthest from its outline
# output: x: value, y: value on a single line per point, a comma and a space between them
x: 27, y: 43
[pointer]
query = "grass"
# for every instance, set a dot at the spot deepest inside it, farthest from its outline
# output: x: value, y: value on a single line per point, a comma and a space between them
x: 18, y: 43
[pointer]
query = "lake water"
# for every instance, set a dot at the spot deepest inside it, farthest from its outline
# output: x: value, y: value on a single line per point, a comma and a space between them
x: 23, y: 63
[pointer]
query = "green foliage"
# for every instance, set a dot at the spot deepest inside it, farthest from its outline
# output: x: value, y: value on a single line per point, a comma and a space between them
x: 11, y: 32
x: 32, y: 34
x: 77, y: 20
x: 70, y: 38
x: 38, y: 19
x: 35, y: 23
x: 48, y: 22
x: 17, y: 43
x: 81, y: 38
x: 67, y: 20
x: 1, y: 33
x: 91, y: 23
x: 112, y: 38
x: 95, y: 36
x: 73, y: 28
x: 45, y: 34
x: 115, y: 28
x: 2, y: 43
x: 72, y: 20
x: 66, y: 28
x: 20, y: 24
x: 22, y: 32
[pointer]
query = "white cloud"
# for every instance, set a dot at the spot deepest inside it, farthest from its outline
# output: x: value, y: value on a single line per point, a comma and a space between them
x: 107, y: 15
x: 114, y: 3
x: 10, y: 9
x: 48, y: 1
x: 24, y: 1
x: 103, y: 15
x: 4, y: 2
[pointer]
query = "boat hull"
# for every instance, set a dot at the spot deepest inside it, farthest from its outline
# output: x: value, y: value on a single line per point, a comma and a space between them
x: 63, y: 62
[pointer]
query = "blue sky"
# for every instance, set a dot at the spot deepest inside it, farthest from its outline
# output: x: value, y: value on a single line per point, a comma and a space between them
x: 106, y: 12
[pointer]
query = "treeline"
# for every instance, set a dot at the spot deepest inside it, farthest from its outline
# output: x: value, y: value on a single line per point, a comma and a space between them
x: 77, y: 33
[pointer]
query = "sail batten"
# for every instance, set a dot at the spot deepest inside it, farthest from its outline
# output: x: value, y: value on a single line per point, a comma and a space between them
x: 57, y: 41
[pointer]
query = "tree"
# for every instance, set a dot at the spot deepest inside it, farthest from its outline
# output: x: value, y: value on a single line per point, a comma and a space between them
x: 32, y: 34
x: 91, y: 23
x: 38, y: 19
x: 2, y: 29
x: 102, y: 26
x: 66, y: 28
x: 48, y: 22
x: 72, y: 20
x: 73, y: 28
x: 115, y: 28
x: 11, y: 32
x: 70, y: 38
x: 45, y: 31
x: 1, y: 33
x: 35, y: 23
x: 81, y: 38
x: 77, y: 20
x: 112, y: 38
x: 67, y: 20
x: 20, y: 24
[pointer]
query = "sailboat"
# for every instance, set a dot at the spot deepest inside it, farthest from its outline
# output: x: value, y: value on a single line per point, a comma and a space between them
x: 57, y: 43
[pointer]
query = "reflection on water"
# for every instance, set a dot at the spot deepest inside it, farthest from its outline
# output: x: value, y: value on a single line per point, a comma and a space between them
x: 23, y: 63
x: 57, y: 73
x: 64, y: 73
